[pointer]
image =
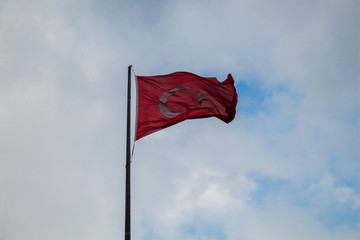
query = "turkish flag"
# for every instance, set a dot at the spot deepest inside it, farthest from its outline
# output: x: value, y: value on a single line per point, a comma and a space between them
x: 165, y: 100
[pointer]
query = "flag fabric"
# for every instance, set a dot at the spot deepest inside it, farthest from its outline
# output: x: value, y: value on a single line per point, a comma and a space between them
x: 165, y: 100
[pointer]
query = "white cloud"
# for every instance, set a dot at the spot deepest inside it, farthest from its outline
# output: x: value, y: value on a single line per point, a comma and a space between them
x: 62, y: 112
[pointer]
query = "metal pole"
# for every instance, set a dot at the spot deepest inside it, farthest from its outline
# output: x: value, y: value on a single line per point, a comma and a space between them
x: 128, y: 163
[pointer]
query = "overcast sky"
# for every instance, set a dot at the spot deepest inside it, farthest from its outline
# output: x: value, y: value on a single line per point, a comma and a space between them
x: 286, y: 168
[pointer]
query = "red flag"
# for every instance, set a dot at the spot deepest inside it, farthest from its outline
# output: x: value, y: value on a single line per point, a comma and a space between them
x: 165, y: 100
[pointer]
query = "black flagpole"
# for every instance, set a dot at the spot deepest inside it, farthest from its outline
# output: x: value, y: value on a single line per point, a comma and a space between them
x: 128, y: 162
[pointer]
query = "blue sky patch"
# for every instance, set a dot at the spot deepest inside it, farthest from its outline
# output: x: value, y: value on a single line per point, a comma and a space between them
x: 204, y: 229
x: 267, y: 186
x: 254, y: 97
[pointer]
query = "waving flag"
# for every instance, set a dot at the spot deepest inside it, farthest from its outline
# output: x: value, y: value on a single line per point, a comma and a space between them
x: 165, y: 100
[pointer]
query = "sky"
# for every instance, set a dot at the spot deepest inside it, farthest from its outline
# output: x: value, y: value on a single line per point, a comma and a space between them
x: 287, y: 167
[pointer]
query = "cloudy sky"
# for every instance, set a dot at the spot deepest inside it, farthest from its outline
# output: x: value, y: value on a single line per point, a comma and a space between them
x: 287, y: 167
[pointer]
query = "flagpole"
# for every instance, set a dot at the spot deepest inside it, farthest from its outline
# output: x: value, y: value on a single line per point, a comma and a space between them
x: 128, y: 163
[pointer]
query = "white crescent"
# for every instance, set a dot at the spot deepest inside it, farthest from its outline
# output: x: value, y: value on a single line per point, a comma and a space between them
x: 162, y: 103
